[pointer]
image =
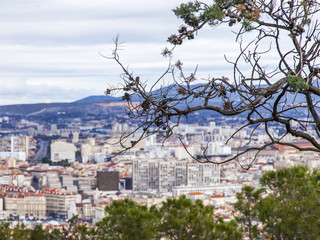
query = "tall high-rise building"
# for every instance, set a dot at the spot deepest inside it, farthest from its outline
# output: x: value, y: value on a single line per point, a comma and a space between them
x: 108, y: 181
x: 75, y: 137
x: 54, y: 129
x: 15, y: 146
x: 40, y: 129
x: 61, y: 150
x: 202, y: 174
x: 163, y: 175
x: 58, y: 202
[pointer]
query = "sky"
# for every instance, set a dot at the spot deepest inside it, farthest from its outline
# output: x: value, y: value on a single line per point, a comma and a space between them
x: 52, y: 50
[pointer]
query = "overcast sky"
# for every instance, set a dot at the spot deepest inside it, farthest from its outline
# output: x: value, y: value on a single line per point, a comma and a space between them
x: 50, y: 49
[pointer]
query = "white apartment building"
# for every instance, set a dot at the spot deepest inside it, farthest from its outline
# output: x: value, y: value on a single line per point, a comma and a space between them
x: 202, y: 174
x: 218, y: 148
x: 226, y: 190
x: 162, y: 175
x: 90, y: 152
x: 85, y: 210
x: 99, y: 212
x: 25, y: 204
x: 15, y: 177
x: 61, y: 150
x: 58, y: 202
x: 145, y: 174
x: 15, y: 147
x: 67, y: 182
x: 5, y: 180
x: 51, y: 180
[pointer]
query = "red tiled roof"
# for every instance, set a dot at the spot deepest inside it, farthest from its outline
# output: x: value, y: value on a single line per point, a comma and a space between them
x: 217, y: 196
x: 38, y: 170
x: 25, y: 166
x: 195, y: 193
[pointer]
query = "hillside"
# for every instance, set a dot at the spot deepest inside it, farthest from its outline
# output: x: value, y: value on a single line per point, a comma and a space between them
x: 98, y: 99
x: 91, y: 105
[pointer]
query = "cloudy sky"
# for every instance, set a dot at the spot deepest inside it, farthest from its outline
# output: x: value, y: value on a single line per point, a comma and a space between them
x: 50, y: 50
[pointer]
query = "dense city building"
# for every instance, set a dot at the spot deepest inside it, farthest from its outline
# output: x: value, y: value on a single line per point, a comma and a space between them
x: 163, y: 175
x: 108, y: 181
x: 25, y: 205
x: 63, y: 169
x: 58, y: 202
x: 61, y: 150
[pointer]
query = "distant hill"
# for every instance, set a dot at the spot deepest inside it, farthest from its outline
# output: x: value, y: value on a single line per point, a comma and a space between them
x: 25, y: 109
x: 102, y: 105
x: 92, y: 105
x: 98, y: 99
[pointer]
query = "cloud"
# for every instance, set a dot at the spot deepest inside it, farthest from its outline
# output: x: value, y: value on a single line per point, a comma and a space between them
x: 79, y: 22
x: 50, y: 49
x: 40, y: 10
x: 17, y: 91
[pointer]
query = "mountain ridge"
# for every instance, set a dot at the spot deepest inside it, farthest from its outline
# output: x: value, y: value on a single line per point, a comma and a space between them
x: 85, y: 105
x: 98, y: 99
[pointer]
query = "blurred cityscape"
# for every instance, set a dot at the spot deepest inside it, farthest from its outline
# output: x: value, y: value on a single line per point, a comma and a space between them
x: 54, y: 168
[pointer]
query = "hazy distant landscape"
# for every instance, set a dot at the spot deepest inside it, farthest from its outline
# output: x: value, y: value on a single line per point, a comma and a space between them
x: 209, y: 129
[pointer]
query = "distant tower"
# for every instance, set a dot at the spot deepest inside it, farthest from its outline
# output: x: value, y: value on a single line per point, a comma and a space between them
x: 19, y: 144
x: 75, y: 137
x: 14, y: 144
x: 40, y: 129
x: 61, y: 150
x: 54, y: 129
x: 108, y: 181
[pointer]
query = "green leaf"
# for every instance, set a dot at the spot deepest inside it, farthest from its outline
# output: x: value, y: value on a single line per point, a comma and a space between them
x: 297, y: 83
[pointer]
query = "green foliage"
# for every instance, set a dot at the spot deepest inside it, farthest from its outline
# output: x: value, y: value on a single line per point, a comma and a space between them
x: 187, y: 12
x: 56, y: 234
x: 20, y: 232
x: 246, y: 205
x: 181, y: 219
x: 213, y: 15
x: 297, y: 83
x: 290, y: 210
x: 185, y: 219
x: 194, y: 13
x: 74, y: 230
x: 287, y: 207
x: 177, y: 219
x: 247, y: 24
x: 5, y: 231
x: 38, y: 233
x: 128, y: 221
